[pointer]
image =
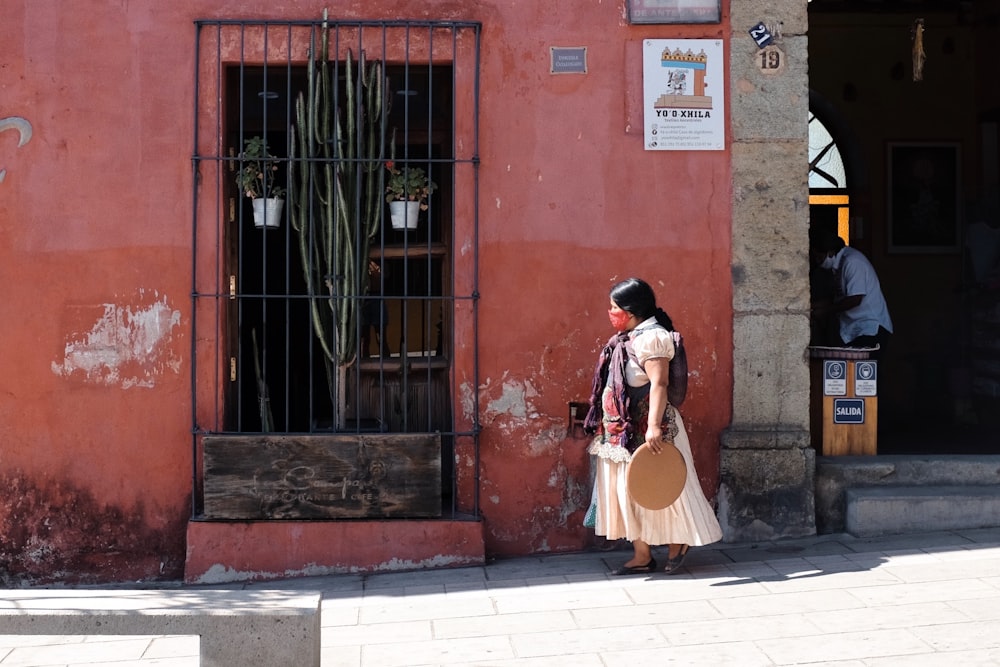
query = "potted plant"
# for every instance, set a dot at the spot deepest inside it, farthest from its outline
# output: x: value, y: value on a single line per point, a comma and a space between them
x: 407, y: 190
x: 257, y: 179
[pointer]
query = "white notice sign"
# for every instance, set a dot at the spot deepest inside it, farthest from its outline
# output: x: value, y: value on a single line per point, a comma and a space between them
x: 834, y: 378
x: 683, y: 94
x: 866, y: 378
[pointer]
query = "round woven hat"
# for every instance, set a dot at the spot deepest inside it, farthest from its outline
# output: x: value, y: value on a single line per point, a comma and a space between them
x: 653, y: 480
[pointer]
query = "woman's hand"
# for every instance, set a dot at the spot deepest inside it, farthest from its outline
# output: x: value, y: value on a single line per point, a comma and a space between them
x: 654, y: 437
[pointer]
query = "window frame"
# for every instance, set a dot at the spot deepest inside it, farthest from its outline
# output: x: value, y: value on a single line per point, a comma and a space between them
x: 221, y: 44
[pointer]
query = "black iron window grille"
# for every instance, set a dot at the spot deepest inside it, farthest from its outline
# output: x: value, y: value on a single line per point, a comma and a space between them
x: 315, y: 309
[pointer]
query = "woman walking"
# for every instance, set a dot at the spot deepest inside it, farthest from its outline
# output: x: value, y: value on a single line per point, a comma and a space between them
x: 629, y: 407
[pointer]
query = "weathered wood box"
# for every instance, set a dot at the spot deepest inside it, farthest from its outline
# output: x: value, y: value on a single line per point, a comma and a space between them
x: 322, y: 476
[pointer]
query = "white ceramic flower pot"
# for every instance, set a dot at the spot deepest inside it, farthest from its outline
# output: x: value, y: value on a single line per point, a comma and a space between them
x: 267, y: 213
x: 404, y: 214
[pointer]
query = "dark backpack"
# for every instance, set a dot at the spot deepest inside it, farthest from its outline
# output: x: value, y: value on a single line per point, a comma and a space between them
x: 678, y: 375
x: 678, y: 388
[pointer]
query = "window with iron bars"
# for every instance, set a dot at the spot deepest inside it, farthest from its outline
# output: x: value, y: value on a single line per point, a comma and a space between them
x: 324, y: 315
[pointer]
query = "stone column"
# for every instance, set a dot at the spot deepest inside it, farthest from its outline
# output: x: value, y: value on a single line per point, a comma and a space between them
x: 767, y: 465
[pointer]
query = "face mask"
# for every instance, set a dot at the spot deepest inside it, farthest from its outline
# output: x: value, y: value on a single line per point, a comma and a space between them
x: 619, y: 319
x: 828, y: 262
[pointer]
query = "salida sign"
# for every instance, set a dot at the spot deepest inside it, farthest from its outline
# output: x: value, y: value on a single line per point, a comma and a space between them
x: 848, y: 411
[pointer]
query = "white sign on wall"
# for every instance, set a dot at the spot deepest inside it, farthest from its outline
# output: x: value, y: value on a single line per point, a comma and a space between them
x: 683, y: 95
x: 834, y: 378
x: 866, y: 378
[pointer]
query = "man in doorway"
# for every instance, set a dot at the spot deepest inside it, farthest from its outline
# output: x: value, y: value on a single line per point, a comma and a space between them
x: 858, y: 306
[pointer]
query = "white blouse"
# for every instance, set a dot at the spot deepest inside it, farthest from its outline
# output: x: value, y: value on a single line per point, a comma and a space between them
x: 651, y: 342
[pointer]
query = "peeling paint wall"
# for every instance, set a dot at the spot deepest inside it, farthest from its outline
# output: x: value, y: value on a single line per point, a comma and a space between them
x: 127, y: 346
x: 536, y: 477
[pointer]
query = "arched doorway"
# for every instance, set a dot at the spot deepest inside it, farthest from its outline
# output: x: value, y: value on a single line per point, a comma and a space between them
x: 829, y: 208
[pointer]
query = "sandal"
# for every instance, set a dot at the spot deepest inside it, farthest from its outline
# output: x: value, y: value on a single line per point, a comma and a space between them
x: 674, y: 564
x: 648, y: 568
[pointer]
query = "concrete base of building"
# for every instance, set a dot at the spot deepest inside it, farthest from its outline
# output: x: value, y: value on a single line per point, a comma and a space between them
x: 219, y: 552
x: 766, y: 485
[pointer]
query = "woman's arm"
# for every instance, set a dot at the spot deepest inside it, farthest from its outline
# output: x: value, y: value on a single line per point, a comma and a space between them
x: 658, y: 371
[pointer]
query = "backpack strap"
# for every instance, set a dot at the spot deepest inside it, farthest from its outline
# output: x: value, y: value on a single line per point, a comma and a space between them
x: 628, y: 343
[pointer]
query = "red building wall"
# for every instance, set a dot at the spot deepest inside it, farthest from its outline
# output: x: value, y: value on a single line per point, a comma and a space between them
x: 95, y: 259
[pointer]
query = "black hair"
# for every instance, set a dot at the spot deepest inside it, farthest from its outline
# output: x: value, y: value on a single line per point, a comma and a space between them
x: 637, y: 297
x: 825, y: 243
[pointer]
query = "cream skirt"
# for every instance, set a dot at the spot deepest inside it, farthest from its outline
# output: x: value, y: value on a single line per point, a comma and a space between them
x: 690, y: 520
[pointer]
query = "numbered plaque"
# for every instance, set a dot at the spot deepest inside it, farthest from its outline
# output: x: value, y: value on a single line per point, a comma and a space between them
x: 761, y: 35
x: 771, y: 60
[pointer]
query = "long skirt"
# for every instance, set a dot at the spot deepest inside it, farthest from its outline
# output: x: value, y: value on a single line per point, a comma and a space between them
x: 689, y: 520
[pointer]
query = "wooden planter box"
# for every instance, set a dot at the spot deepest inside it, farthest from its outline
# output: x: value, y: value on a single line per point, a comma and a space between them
x: 322, y: 476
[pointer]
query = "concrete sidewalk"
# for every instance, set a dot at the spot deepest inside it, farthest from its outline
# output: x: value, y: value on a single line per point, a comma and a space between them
x: 921, y: 599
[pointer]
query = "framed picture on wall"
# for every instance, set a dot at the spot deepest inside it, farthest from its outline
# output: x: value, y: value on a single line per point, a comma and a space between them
x: 923, y: 197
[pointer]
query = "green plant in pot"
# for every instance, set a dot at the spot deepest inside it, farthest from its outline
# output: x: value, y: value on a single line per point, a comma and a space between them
x: 407, y: 190
x: 257, y: 178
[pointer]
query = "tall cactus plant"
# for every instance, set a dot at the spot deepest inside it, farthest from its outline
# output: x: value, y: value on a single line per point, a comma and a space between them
x: 338, y: 145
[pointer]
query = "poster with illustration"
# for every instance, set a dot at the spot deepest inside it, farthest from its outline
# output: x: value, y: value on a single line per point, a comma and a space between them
x: 683, y: 95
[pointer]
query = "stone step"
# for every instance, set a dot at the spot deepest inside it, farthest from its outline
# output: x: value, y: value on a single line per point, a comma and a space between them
x: 836, y: 474
x: 893, y: 510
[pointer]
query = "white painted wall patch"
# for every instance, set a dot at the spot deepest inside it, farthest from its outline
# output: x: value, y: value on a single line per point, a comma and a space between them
x: 128, y: 345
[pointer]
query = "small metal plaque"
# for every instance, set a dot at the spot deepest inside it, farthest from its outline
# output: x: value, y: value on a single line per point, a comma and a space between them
x: 568, y: 59
x: 674, y: 11
x: 771, y: 60
x: 761, y: 35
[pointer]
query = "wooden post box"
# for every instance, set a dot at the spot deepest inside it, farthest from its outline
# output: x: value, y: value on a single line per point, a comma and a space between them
x: 846, y: 384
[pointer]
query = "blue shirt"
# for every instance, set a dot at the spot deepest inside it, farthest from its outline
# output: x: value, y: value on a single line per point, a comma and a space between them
x: 855, y: 275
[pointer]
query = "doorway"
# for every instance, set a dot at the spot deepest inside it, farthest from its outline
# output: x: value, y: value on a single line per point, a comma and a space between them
x: 939, y: 390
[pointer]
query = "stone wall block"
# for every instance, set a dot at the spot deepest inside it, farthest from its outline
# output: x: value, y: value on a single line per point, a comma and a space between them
x: 771, y: 370
x: 769, y: 106
x: 766, y: 494
x: 749, y: 436
x: 770, y: 217
x: 791, y: 16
